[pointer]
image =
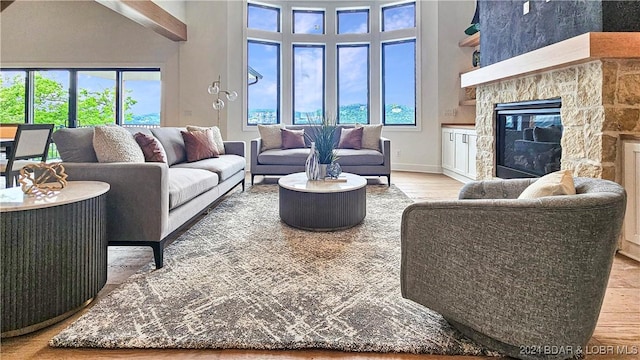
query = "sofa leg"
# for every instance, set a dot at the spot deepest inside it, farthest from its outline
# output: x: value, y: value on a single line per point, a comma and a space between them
x: 158, y: 254
x: 243, y: 184
x: 252, y: 177
x: 389, y: 180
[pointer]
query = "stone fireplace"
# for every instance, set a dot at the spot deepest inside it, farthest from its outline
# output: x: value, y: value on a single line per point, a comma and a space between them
x: 600, y: 102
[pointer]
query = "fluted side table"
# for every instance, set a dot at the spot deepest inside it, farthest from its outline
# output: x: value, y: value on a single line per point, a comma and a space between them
x: 53, y: 254
x: 322, y: 205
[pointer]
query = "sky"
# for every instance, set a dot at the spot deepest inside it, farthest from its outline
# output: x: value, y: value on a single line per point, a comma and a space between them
x: 353, y: 62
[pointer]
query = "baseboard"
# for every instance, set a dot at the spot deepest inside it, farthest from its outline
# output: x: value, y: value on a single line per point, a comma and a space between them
x: 456, y: 176
x: 432, y: 169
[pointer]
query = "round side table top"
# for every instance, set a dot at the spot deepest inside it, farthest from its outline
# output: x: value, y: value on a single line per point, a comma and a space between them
x: 299, y: 182
x: 13, y: 199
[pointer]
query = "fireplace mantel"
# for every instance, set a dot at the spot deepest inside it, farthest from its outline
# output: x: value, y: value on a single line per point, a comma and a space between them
x: 582, y: 48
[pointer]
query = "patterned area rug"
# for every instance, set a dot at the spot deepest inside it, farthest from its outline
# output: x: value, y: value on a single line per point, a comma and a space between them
x: 240, y: 278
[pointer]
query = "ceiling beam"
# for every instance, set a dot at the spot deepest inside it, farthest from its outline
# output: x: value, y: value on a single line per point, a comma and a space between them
x: 4, y: 4
x: 150, y: 15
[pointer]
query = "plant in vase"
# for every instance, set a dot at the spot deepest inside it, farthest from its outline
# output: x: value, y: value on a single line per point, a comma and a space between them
x: 321, y: 134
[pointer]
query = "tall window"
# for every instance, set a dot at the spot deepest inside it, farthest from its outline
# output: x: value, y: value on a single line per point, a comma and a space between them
x: 398, y: 82
x: 263, y: 95
x: 308, y: 82
x: 80, y: 97
x: 357, y: 64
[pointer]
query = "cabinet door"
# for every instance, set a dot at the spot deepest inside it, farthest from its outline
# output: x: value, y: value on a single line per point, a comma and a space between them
x: 471, y: 151
x: 632, y: 185
x: 448, y: 148
x: 461, y: 156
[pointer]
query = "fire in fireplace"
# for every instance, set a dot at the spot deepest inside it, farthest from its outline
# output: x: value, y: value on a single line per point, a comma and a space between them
x: 528, y: 138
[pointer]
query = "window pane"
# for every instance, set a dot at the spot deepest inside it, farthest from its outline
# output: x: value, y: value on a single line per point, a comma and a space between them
x: 261, y: 17
x: 308, y: 22
x: 399, y: 82
x: 353, y: 84
x: 399, y: 17
x: 263, y: 89
x: 308, y: 82
x: 12, y: 97
x: 141, y: 97
x: 353, y: 21
x: 96, y: 98
x: 51, y: 97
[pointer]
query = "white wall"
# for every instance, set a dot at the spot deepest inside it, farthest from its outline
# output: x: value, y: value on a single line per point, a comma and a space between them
x: 86, y: 34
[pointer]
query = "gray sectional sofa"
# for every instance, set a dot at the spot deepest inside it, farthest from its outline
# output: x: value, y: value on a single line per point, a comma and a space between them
x: 278, y: 162
x: 149, y: 201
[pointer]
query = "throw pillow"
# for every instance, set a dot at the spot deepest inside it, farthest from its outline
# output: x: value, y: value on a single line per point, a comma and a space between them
x: 555, y: 183
x: 371, y: 136
x: 199, y: 145
x: 115, y: 144
x: 151, y: 148
x: 217, y: 136
x: 351, y: 138
x: 292, y: 139
x: 75, y: 144
x: 270, y: 136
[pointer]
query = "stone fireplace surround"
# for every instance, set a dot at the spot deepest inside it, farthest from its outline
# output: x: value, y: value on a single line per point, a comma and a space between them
x: 597, y: 77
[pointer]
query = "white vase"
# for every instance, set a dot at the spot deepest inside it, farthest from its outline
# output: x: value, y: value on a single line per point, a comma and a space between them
x: 312, y: 166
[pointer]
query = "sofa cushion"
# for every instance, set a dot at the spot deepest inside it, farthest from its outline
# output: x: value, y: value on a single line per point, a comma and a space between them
x: 199, y: 145
x: 75, y: 144
x: 172, y: 142
x: 151, y: 147
x: 284, y: 157
x: 225, y: 166
x: 215, y: 132
x: 351, y: 157
x: 555, y: 183
x: 115, y: 144
x: 186, y: 184
x: 270, y: 136
x: 292, y: 139
x: 371, y: 136
x: 350, y: 138
x: 547, y: 134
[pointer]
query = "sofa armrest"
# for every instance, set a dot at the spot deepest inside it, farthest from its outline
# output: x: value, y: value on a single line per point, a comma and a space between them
x: 494, y: 189
x: 138, y: 201
x: 385, y: 147
x: 255, y: 151
x: 235, y: 148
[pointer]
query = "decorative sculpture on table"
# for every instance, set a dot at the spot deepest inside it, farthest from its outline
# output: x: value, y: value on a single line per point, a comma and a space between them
x: 312, y: 166
x: 50, y: 178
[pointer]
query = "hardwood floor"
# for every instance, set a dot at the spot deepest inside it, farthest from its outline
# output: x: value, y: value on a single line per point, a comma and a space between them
x: 619, y: 322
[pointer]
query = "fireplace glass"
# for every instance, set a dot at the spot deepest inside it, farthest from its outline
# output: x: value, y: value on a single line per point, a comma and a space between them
x: 528, y: 138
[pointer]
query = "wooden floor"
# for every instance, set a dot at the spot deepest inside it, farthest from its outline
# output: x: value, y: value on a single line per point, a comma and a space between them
x: 619, y: 322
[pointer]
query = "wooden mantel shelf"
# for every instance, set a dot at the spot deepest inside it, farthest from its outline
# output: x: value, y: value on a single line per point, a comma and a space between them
x: 579, y: 49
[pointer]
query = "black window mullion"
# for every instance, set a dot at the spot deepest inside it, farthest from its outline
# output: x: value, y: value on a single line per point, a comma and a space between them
x: 72, y: 121
x: 119, y: 95
x: 29, y: 94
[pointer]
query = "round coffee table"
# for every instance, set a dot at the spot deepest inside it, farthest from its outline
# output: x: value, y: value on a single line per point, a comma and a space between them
x: 322, y: 205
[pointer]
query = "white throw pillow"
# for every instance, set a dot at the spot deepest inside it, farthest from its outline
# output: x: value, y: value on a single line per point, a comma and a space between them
x: 555, y: 183
x: 215, y: 131
x: 270, y: 136
x: 115, y: 144
x: 371, y: 136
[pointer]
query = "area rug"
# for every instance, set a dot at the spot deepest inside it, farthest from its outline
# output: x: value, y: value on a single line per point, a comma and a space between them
x: 242, y: 279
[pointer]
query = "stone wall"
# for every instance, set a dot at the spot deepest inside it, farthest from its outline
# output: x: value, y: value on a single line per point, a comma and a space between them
x: 600, y: 101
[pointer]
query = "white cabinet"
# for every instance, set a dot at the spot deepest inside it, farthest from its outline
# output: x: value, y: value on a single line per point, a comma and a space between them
x: 459, y: 153
x: 448, y: 148
x: 630, y: 245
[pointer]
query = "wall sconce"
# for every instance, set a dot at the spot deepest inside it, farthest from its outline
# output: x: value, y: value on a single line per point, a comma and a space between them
x: 214, y: 89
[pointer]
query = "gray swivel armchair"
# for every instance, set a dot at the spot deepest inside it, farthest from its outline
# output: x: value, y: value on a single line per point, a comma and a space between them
x: 523, y: 277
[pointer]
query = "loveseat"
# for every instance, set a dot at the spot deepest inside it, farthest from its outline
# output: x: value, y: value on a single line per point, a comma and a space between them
x: 149, y: 201
x: 278, y: 161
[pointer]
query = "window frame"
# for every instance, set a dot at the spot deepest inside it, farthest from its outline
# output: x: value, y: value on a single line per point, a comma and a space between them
x: 269, y: 7
x: 352, y: 10
x: 331, y: 39
x: 71, y: 120
x: 383, y: 84
x: 279, y: 80
x: 293, y: 77
x: 308, y: 11
x: 353, y: 45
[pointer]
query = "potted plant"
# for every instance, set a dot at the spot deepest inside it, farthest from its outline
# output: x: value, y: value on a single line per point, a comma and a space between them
x: 321, y: 135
